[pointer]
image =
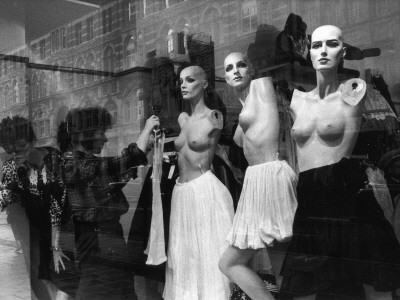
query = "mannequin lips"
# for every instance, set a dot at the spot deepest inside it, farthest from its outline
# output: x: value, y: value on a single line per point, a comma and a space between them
x: 323, y: 60
x: 238, y: 78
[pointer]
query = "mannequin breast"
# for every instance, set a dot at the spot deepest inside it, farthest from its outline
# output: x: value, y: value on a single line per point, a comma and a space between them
x: 259, y: 123
x: 325, y: 130
x: 196, y: 145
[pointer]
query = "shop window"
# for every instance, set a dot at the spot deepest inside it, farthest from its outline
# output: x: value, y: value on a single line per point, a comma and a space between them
x: 249, y: 15
x: 89, y: 28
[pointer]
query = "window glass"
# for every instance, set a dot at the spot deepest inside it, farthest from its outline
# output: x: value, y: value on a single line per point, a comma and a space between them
x: 134, y: 134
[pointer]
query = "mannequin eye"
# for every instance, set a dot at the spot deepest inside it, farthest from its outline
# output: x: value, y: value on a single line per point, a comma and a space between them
x: 315, y: 45
x: 228, y: 68
x: 242, y: 64
x: 332, y: 44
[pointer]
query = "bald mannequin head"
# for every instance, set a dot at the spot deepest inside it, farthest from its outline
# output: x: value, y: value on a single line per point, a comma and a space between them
x: 322, y: 30
x: 193, y: 81
x: 238, y: 70
x: 327, y: 48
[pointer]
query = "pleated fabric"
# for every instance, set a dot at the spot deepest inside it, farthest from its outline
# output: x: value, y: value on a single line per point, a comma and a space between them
x: 201, y: 217
x: 267, y: 206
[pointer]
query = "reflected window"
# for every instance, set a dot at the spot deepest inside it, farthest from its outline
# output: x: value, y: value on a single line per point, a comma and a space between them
x: 132, y: 11
x: 5, y: 67
x: 107, y: 20
x: 109, y: 59
x: 2, y: 103
x: 42, y: 85
x: 249, y: 15
x: 41, y: 124
x: 130, y: 52
x: 35, y: 87
x: 78, y: 34
x: 128, y: 114
x: 211, y: 24
x: 15, y: 92
x: 173, y: 2
x: 63, y: 38
x: 89, y: 28
x: 91, y: 66
x: 80, y: 78
x: 125, y: 11
x: 7, y: 96
x: 42, y: 46
x: 55, y: 40
x: 170, y: 41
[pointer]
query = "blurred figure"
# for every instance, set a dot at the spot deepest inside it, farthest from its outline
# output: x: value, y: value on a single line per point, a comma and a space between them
x: 94, y: 186
x: 32, y: 177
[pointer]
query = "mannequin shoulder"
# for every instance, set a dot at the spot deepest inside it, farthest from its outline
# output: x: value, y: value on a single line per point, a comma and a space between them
x: 353, y: 91
x: 263, y: 89
x: 216, y: 118
x: 183, y: 118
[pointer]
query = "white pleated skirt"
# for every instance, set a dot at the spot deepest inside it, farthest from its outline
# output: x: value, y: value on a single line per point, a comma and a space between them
x: 201, y: 217
x: 266, y: 206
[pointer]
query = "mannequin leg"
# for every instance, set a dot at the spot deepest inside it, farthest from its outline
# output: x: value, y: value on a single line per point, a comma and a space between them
x: 234, y: 263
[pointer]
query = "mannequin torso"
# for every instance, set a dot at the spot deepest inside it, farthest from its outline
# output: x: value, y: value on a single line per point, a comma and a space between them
x: 258, y: 130
x: 197, y: 142
x: 325, y: 130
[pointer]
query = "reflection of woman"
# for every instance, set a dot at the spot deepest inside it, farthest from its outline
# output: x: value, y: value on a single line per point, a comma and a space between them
x: 94, y: 186
x: 341, y: 238
x: 33, y: 177
x: 267, y: 202
x: 202, y: 207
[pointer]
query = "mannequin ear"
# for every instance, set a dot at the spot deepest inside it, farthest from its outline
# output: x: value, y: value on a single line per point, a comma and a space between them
x: 205, y: 84
x: 344, y: 52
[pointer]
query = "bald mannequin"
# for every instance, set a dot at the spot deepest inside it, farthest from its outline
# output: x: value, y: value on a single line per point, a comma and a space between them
x: 267, y: 203
x: 258, y: 129
x: 325, y: 127
x: 200, y: 132
x: 341, y: 239
x: 201, y: 206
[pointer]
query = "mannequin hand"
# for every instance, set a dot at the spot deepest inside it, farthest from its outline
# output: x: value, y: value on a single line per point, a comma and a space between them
x: 58, y: 256
x: 151, y: 122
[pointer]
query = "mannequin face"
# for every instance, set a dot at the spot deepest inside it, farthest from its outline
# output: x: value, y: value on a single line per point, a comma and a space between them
x: 193, y: 82
x: 237, y: 71
x: 326, y: 47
